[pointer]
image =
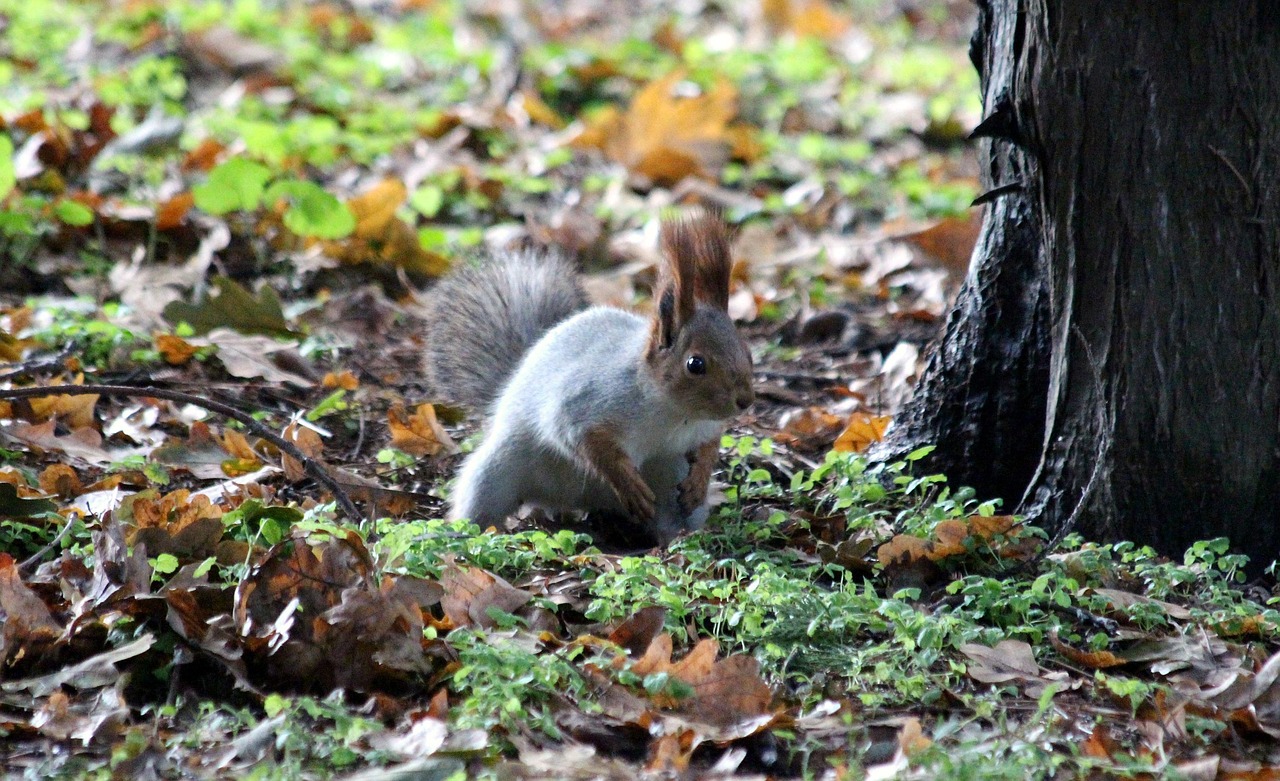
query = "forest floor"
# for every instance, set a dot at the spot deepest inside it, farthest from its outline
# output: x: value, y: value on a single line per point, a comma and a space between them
x: 230, y: 563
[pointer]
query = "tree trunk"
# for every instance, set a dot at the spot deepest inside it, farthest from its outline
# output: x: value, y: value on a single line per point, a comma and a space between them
x: 1114, y: 356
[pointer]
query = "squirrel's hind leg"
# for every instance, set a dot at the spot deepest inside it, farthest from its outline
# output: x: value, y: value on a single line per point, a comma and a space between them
x: 487, y: 489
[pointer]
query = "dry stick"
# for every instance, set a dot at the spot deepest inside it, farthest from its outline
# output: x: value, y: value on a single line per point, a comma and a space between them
x: 309, y: 465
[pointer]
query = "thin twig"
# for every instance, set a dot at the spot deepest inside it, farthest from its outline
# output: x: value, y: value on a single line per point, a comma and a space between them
x: 29, y: 564
x: 309, y: 465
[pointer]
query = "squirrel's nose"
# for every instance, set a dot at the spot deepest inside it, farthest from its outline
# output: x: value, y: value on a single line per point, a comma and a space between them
x: 744, y: 399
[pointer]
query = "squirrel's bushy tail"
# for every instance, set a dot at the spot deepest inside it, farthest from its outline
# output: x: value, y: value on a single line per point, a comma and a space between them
x: 484, y: 317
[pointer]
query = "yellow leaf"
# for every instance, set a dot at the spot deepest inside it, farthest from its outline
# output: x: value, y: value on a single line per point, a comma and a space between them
x: 539, y: 111
x: 382, y: 238
x: 376, y: 208
x: 862, y: 431
x: 74, y: 411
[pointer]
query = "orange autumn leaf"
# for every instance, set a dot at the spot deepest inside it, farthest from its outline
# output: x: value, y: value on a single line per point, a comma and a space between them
x: 667, y: 134
x: 75, y: 411
x: 418, y: 433
x: 538, y: 111
x: 61, y: 480
x: 343, y: 379
x: 204, y: 157
x: 306, y: 440
x: 904, y: 547
x: 863, y: 430
x: 170, y: 214
x: 175, y: 350
x: 811, y: 18
x: 950, y: 241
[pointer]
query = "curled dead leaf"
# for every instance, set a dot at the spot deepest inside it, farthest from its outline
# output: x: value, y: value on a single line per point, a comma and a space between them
x: 418, y: 433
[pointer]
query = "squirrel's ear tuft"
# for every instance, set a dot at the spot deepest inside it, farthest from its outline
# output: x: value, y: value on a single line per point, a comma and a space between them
x: 664, y: 324
x: 697, y: 250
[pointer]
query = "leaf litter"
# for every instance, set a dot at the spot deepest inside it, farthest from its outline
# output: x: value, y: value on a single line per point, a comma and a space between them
x: 247, y: 207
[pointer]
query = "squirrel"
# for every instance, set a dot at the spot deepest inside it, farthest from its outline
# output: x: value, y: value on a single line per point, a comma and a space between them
x: 593, y: 408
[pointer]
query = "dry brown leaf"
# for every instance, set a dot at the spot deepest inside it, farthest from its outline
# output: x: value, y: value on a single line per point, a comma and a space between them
x: 25, y: 613
x: 904, y: 547
x: 987, y: 527
x: 862, y: 430
x: 61, y: 480
x: 204, y: 157
x: 202, y: 453
x: 949, y: 539
x: 419, y: 433
x: 538, y: 111
x: 697, y: 664
x: 730, y: 692
x: 76, y: 412
x: 671, y: 753
x: 83, y: 444
x: 813, y: 18
x: 912, y: 738
x: 1008, y: 660
x: 469, y: 593
x: 811, y: 428
x: 950, y: 241
x: 657, y: 657
x: 637, y: 633
x: 306, y: 440
x: 1121, y: 601
x: 171, y: 213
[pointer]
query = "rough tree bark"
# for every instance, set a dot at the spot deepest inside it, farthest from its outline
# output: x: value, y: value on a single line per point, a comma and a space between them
x: 1114, y: 355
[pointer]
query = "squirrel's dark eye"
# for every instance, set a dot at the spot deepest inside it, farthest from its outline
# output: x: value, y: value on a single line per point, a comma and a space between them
x: 696, y: 364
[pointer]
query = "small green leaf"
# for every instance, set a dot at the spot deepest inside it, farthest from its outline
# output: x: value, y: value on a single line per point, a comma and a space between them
x: 237, y: 184
x: 73, y: 212
x: 274, y: 705
x: 921, y: 452
x: 313, y: 211
x: 427, y: 200
x: 165, y: 563
x: 8, y: 177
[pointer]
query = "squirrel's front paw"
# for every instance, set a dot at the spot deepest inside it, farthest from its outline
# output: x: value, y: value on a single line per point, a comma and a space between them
x: 693, y: 488
x: 637, y: 499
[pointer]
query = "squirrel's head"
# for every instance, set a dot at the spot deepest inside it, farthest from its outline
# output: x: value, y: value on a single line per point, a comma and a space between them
x: 694, y: 351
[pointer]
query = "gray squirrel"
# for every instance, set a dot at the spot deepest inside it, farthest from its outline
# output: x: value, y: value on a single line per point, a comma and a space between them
x: 593, y: 408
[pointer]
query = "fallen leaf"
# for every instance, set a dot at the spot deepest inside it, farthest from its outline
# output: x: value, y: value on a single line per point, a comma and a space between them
x: 380, y: 237
x: 862, y: 430
x: 470, y: 593
x: 419, y: 433
x: 229, y: 305
x: 257, y: 356
x: 667, y: 134
x: 175, y: 350
x: 950, y: 241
